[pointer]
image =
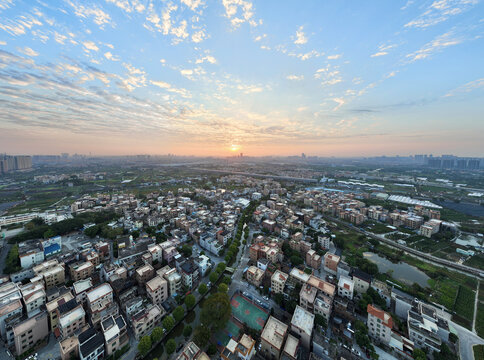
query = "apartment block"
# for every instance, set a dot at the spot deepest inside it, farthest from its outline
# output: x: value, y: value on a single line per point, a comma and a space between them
x: 51, y: 272
x: 380, y: 324
x: 331, y: 263
x: 81, y: 270
x: 145, y: 320
x: 302, y: 324
x: 52, y: 309
x: 278, y: 281
x: 28, y: 331
x: 272, y: 338
x: 192, y: 352
x: 100, y: 303
x: 157, y: 290
x: 345, y: 287
x: 72, y: 318
x: 174, y: 281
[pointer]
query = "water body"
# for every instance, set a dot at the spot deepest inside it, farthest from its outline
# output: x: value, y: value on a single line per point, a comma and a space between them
x: 400, y: 271
x: 463, y: 207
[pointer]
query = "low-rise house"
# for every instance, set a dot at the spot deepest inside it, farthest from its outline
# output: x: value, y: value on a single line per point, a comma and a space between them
x: 174, y: 281
x: 69, y: 348
x: 291, y: 348
x: 144, y: 273
x: 91, y: 345
x: 81, y: 270
x: 52, y: 309
x: 331, y: 262
x: 255, y: 275
x: 361, y: 281
x: 81, y: 288
x: 192, y: 352
x: 146, y: 320
x: 345, y: 287
x: 115, y: 334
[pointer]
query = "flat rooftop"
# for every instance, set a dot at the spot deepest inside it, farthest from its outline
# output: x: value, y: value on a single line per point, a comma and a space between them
x: 274, y: 332
x: 303, y: 320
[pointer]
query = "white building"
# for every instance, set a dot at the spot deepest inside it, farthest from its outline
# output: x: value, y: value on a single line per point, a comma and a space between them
x: 345, y: 287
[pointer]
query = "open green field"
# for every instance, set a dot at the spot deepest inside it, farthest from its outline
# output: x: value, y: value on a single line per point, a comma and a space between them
x: 464, y: 307
x: 478, y: 352
x: 480, y: 319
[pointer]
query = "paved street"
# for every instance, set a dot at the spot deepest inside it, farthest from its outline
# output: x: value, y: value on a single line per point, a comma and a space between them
x: 467, y: 340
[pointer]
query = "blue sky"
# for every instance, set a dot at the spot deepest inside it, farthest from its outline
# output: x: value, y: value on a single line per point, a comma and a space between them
x: 198, y: 77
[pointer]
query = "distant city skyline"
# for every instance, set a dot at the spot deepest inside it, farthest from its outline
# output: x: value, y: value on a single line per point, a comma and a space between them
x: 262, y: 78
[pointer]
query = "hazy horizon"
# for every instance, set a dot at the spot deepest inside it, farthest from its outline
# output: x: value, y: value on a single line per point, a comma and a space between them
x: 263, y: 78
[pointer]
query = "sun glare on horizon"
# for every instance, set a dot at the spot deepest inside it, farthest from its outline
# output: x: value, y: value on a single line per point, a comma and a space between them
x: 234, y: 147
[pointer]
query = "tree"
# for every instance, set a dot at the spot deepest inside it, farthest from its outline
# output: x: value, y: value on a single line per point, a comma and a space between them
x: 156, y: 334
x: 419, y: 354
x: 170, y: 346
x: 279, y: 299
x: 216, y: 311
x: 178, y: 313
x: 223, y: 288
x: 168, y: 323
x: 190, y: 300
x: 187, y: 331
x: 221, y: 267
x: 186, y: 250
x: 144, y: 345
x: 296, y: 260
x: 92, y: 231
x: 320, y: 320
x: 227, y: 280
x: 212, y: 350
x: 202, y: 289
x: 135, y: 234
x: 214, y: 277
x: 201, y: 336
x: 49, y: 233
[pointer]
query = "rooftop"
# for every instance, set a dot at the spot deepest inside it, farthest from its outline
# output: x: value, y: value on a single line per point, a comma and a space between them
x: 303, y: 320
x: 274, y: 332
x: 380, y: 314
x: 99, y: 292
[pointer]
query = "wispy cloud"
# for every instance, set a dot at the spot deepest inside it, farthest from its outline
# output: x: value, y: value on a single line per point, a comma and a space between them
x: 339, y: 101
x: 439, y: 11
x: 334, y: 57
x: 99, y: 16
x: 28, y: 51
x: 466, y: 88
x: 128, y: 6
x: 436, y: 45
x: 110, y: 56
x: 300, y: 38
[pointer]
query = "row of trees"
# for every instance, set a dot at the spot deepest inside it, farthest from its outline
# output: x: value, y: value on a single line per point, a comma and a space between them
x: 38, y: 229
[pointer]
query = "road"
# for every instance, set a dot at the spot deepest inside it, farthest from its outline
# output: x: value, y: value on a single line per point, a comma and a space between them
x: 442, y: 262
x: 476, y: 302
x: 467, y: 339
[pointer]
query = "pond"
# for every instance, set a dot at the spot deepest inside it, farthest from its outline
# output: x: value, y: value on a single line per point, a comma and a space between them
x: 400, y: 271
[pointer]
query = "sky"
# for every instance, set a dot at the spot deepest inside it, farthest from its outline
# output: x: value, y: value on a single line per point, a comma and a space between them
x: 221, y: 77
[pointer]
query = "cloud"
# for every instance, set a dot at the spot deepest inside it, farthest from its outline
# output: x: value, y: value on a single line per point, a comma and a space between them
x: 161, y: 84
x: 301, y: 38
x: 5, y: 4
x: 379, y: 53
x: 89, y: 45
x: 466, y: 88
x: 110, y: 56
x: 239, y: 12
x: 3, y: 42
x: 439, y: 11
x: 438, y: 44
x: 186, y: 72
x: 199, y: 36
x: 99, y: 17
x: 295, y: 77
x: 20, y: 25
x: 192, y: 4
x: 59, y: 38
x: 128, y: 6
x: 208, y: 58
x: 28, y: 51
x: 260, y: 37
x: 334, y: 57
x: 308, y: 55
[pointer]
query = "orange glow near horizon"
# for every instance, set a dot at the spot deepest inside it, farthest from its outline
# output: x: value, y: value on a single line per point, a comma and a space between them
x: 234, y: 147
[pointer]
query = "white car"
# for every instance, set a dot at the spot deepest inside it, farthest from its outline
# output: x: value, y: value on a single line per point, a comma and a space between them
x: 354, y: 351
